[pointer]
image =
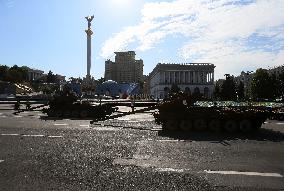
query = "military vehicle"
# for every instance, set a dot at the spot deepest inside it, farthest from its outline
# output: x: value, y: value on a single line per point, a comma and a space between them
x: 65, y: 105
x: 277, y: 114
x: 180, y: 113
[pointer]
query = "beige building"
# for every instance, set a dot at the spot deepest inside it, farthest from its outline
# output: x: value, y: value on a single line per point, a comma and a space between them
x: 125, y: 69
x: 33, y: 74
x: 190, y: 78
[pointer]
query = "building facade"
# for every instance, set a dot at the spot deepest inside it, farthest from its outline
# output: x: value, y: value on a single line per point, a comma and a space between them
x: 125, y: 69
x: 190, y: 78
x: 33, y: 74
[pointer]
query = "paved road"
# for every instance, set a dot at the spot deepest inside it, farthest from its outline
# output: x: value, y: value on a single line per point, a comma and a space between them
x: 131, y: 153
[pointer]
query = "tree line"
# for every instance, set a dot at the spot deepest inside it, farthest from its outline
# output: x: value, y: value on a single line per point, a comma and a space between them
x: 262, y: 86
x: 16, y: 74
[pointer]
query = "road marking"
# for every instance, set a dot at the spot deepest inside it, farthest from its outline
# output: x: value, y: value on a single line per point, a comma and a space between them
x: 84, y: 125
x: 244, y: 173
x: 168, y: 140
x: 280, y: 123
x: 9, y: 134
x: 3, y: 116
x: 62, y: 124
x: 55, y: 136
x: 169, y: 170
x: 106, y: 128
x: 33, y: 135
x: 18, y: 116
x: 1, y: 161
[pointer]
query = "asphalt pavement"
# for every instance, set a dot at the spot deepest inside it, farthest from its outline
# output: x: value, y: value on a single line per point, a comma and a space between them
x: 132, y: 153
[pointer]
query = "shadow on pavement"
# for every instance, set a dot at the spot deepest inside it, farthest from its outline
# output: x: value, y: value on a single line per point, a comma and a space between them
x: 260, y: 135
x: 46, y: 118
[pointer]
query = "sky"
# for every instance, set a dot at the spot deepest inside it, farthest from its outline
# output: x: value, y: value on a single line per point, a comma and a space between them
x: 234, y: 35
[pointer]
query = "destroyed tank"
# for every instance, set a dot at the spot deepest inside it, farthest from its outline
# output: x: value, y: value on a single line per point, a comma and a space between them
x: 181, y: 114
x: 277, y: 114
x: 65, y: 105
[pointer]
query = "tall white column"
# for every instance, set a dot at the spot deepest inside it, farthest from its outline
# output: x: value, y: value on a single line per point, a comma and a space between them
x: 89, y: 47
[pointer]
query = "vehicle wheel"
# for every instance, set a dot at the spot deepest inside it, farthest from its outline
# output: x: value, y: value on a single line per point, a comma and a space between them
x: 214, y: 125
x: 199, y: 124
x: 58, y: 113
x: 246, y: 126
x: 185, y: 125
x: 171, y: 125
x: 231, y: 126
x: 75, y: 113
x: 83, y: 114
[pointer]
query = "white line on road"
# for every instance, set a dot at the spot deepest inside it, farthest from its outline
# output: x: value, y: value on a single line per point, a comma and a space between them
x: 168, y: 140
x: 18, y: 116
x: 280, y: 123
x: 1, y: 161
x: 169, y: 170
x: 62, y: 124
x: 33, y: 135
x: 84, y: 125
x: 9, y: 134
x: 55, y: 136
x: 3, y: 116
x: 244, y: 173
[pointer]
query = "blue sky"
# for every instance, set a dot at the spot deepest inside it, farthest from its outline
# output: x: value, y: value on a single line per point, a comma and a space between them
x: 234, y: 35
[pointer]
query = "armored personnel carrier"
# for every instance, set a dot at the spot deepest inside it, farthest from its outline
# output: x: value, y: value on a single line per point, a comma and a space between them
x: 179, y: 113
x: 65, y: 105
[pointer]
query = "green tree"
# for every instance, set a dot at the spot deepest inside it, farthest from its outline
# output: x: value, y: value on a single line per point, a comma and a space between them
x: 75, y: 80
x: 262, y: 86
x: 228, y: 89
x: 217, y: 91
x: 174, y: 89
x: 50, y: 78
x: 281, y: 84
x: 4, y: 72
x: 241, y: 91
x: 17, y: 74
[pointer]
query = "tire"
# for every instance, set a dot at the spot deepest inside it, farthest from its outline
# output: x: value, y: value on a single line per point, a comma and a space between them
x: 246, y: 126
x: 185, y: 125
x: 214, y: 125
x: 83, y: 114
x: 200, y: 125
x: 171, y: 125
x: 58, y: 113
x: 231, y: 126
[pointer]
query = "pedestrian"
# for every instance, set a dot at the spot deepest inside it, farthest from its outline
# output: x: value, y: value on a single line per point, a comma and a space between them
x: 17, y: 105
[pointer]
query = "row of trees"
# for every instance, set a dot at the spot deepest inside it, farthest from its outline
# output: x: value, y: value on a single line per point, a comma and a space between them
x: 262, y: 86
x: 14, y: 74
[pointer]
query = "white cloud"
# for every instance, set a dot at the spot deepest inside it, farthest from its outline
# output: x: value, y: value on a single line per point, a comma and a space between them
x: 213, y: 30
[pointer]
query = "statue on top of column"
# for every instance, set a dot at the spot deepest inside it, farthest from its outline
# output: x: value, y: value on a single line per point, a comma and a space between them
x: 89, y: 19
